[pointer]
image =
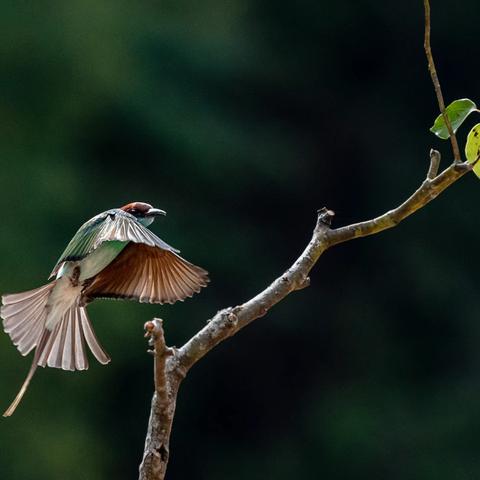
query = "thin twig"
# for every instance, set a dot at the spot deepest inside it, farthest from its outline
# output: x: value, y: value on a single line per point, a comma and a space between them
x: 435, y: 159
x: 436, y: 84
x: 429, y: 190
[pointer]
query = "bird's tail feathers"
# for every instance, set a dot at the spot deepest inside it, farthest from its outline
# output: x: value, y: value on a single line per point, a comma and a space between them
x: 24, y: 317
x: 65, y: 347
x: 13, y: 406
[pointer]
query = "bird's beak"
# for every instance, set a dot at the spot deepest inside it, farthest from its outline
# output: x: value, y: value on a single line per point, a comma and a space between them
x: 155, y: 212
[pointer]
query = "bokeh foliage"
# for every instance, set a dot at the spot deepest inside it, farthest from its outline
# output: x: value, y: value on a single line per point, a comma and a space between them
x: 241, y: 118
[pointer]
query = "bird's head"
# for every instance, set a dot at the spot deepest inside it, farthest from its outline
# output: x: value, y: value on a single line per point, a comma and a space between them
x: 143, y: 212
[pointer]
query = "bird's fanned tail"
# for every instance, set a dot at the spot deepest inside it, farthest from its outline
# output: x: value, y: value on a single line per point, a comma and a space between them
x: 65, y: 348
x: 24, y: 317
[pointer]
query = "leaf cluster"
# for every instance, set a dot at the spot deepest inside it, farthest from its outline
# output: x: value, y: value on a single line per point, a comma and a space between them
x: 457, y: 112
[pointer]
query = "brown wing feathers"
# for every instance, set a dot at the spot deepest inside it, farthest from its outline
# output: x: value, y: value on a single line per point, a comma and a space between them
x: 149, y: 275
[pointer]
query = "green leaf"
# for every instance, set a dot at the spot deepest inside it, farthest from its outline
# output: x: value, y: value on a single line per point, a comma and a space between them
x: 457, y: 112
x: 472, y: 148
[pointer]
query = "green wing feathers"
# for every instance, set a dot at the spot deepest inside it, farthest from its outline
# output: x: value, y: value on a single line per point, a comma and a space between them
x: 112, y: 225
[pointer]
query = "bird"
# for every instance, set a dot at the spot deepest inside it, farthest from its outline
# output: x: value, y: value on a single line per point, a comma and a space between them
x: 112, y: 255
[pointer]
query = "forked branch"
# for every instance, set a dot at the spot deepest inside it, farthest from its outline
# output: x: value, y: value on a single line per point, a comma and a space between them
x: 171, y: 365
x: 229, y: 321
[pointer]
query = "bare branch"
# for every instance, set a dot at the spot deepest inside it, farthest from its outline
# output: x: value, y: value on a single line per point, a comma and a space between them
x: 171, y: 366
x: 228, y: 321
x: 156, y: 451
x: 436, y: 83
x: 427, y: 191
x: 154, y: 331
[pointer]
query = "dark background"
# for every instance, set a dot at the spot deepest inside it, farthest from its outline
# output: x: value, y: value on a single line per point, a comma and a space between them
x: 241, y: 118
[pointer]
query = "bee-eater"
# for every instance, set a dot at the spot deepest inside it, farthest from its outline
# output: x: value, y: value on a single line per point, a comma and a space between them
x: 113, y: 255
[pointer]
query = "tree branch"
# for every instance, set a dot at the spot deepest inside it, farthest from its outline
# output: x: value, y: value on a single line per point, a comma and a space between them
x: 229, y: 321
x: 171, y: 365
x: 436, y: 83
x: 156, y: 450
x: 428, y: 190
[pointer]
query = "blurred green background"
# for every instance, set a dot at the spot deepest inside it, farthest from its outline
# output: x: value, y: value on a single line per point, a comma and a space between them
x: 241, y: 118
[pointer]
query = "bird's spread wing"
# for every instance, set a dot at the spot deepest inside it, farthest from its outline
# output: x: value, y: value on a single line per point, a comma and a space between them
x: 148, y: 274
x: 108, y: 226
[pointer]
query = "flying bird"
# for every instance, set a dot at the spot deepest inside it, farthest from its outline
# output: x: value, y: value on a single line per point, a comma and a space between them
x: 113, y: 255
